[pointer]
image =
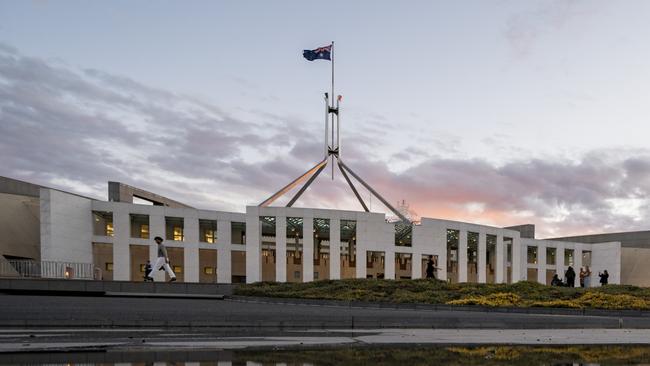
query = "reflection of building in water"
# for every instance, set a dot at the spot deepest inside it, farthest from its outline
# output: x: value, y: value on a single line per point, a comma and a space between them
x: 287, y: 244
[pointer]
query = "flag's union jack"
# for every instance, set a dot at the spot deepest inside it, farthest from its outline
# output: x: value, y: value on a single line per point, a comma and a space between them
x: 322, y: 53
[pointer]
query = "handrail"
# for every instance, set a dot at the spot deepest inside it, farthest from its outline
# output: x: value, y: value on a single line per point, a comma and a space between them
x: 46, y: 269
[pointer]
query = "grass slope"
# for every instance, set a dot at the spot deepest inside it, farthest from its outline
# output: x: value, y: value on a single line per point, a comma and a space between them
x: 520, y: 294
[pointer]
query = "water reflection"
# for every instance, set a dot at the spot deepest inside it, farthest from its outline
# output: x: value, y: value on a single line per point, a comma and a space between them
x: 402, y: 356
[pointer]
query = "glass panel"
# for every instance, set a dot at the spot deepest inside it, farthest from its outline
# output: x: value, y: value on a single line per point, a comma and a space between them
x: 403, y: 234
x: 375, y: 264
x: 490, y: 258
x: 452, y: 255
x: 321, y: 248
x: 348, y: 248
x: 208, y: 231
x: 532, y: 255
x: 295, y: 235
x: 174, y: 228
x: 472, y: 257
x: 238, y: 232
x: 569, y: 257
x: 586, y: 258
x: 103, y: 223
x: 139, y: 226
x: 550, y: 256
x: 403, y: 266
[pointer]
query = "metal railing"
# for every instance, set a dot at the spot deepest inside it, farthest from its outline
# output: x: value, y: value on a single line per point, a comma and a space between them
x: 46, y: 269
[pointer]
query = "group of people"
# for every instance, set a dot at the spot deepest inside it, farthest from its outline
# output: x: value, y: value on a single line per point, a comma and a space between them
x: 584, y: 276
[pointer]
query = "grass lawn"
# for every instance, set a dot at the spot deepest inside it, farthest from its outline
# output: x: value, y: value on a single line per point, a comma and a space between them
x: 521, y: 294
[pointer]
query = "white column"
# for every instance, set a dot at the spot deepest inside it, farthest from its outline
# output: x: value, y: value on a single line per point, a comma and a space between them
x: 541, y: 263
x: 308, y: 249
x: 577, y: 260
x: 389, y: 264
x: 121, y: 248
x: 191, y: 249
x: 335, y: 249
x: 156, y: 228
x: 482, y: 256
x: 462, y: 256
x: 500, y: 260
x: 517, y: 249
x: 416, y: 265
x: 253, y: 245
x: 281, y: 248
x: 559, y: 261
x: 224, y: 252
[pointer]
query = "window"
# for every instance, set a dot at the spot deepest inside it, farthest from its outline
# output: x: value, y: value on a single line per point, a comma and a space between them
x: 178, y: 269
x: 139, y: 226
x: 532, y: 255
x: 568, y: 257
x: 452, y: 255
x: 142, y: 268
x: 238, y: 232
x: 315, y: 275
x: 174, y: 228
x: 103, y: 223
x: 296, y: 275
x: 208, y: 231
x: 550, y: 256
x: 208, y: 270
x: 109, y: 266
x: 586, y: 258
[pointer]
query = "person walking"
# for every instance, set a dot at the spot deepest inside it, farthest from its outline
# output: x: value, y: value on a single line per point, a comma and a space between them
x: 147, y: 271
x: 604, y: 278
x: 582, y: 277
x: 570, y: 276
x: 587, y: 277
x: 430, y: 268
x: 162, y: 262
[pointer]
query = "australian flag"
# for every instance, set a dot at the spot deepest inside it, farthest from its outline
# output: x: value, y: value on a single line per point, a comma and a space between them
x: 322, y: 53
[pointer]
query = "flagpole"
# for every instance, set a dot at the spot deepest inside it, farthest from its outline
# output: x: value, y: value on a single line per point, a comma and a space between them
x: 332, y: 106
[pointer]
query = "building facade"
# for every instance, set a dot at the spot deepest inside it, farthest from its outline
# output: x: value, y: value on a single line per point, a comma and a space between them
x: 283, y: 244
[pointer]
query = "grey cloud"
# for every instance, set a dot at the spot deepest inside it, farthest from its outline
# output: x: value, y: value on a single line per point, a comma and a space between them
x: 61, y: 125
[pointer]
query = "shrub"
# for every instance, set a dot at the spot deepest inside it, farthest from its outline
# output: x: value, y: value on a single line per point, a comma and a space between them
x: 492, y: 300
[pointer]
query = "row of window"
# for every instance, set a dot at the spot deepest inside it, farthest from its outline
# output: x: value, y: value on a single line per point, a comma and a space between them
x: 174, y: 228
x: 551, y: 256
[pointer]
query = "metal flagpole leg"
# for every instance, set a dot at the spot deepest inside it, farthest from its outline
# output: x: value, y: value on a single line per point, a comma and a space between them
x: 300, y: 192
x: 354, y: 189
x: 327, y: 119
x: 368, y: 187
x: 295, y: 182
x: 332, y: 105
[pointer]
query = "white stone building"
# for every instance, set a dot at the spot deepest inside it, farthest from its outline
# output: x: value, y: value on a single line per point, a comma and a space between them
x: 291, y: 244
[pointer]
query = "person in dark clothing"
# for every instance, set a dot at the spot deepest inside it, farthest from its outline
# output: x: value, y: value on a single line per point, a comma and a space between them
x: 430, y: 268
x: 556, y: 281
x: 570, y: 276
x: 604, y: 278
x: 147, y: 271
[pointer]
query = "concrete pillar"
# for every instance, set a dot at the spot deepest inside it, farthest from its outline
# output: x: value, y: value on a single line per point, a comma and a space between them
x: 281, y: 248
x: 121, y: 248
x: 442, y: 260
x: 389, y: 264
x: 577, y: 259
x: 516, y: 269
x: 541, y: 263
x: 482, y: 258
x: 253, y: 245
x: 559, y: 261
x: 500, y: 260
x: 156, y: 228
x: 191, y: 249
x: 462, y: 256
x: 416, y: 265
x: 308, y: 249
x: 224, y: 252
x: 335, y: 249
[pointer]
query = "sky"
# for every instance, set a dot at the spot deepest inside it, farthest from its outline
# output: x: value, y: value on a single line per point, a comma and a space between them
x: 499, y: 112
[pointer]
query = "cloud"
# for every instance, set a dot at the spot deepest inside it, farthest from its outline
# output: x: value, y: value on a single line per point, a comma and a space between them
x: 77, y: 129
x: 524, y: 29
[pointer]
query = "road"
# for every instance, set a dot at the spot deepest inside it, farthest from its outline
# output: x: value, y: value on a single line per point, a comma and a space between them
x: 71, y: 311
